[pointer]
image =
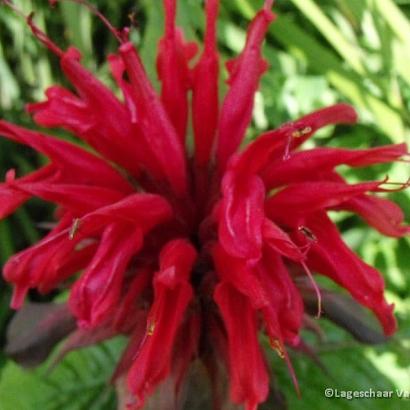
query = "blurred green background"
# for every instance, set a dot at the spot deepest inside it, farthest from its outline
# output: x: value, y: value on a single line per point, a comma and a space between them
x: 320, y: 52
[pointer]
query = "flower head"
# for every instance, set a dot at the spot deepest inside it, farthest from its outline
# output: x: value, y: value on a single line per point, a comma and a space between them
x: 191, y: 254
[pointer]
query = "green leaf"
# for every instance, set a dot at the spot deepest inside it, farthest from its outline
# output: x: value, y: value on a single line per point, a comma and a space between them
x: 348, y: 51
x: 350, y: 85
x: 79, y: 382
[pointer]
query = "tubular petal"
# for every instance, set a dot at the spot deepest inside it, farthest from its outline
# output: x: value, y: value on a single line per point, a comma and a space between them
x: 205, y: 101
x: 97, y: 105
x: 173, y: 293
x: 241, y: 216
x: 32, y: 266
x: 142, y: 210
x: 241, y: 277
x: 12, y: 198
x: 285, y: 305
x: 248, y: 376
x: 308, y: 197
x: 245, y: 72
x: 331, y: 257
x: 74, y: 163
x: 79, y: 199
x: 382, y: 214
x: 94, y: 296
x: 124, y: 320
x: 280, y: 241
x: 156, y: 126
x: 172, y: 67
x: 318, y: 162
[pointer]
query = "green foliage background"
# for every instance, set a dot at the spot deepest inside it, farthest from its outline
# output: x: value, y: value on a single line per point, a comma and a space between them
x: 320, y: 52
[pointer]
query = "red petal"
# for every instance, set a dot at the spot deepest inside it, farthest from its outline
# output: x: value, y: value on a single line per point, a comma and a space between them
x: 63, y: 266
x: 76, y: 164
x: 134, y: 345
x: 236, y: 272
x: 11, y: 198
x: 172, y: 66
x: 95, y: 295
x: 53, y: 259
x: 142, y: 210
x: 145, y: 154
x: 334, y: 114
x: 277, y: 144
x: 186, y: 347
x: 280, y: 241
x: 285, y: 307
x: 173, y: 292
x: 241, y: 216
x: 205, y: 90
x: 62, y: 109
x: 156, y: 125
x: 382, y: 214
x: 124, y: 319
x: 249, y: 380
x: 97, y: 105
x: 245, y: 73
x: 331, y: 257
x: 30, y: 268
x: 311, y: 164
x: 118, y: 69
x: 301, y: 199
x: 80, y: 199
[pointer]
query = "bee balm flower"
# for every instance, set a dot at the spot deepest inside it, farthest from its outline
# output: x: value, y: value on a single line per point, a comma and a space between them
x: 191, y: 254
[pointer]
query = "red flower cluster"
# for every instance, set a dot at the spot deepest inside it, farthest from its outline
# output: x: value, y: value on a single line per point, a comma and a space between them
x: 191, y: 254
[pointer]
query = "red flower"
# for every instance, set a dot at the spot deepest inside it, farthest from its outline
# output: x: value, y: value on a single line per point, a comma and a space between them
x: 191, y: 254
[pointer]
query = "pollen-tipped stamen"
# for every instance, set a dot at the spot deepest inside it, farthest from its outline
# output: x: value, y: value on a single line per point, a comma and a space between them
x: 315, y: 288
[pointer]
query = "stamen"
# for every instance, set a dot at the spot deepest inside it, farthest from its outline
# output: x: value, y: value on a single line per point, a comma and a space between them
x: 280, y: 349
x: 132, y: 19
x: 308, y: 233
x: 74, y: 228
x: 316, y: 289
x: 295, y: 134
x: 286, y: 154
x: 151, y: 328
x: 276, y: 345
x: 119, y: 35
x: 311, y: 238
x: 292, y: 373
x: 48, y: 226
x: 43, y: 36
x: 401, y: 185
x: 301, y: 132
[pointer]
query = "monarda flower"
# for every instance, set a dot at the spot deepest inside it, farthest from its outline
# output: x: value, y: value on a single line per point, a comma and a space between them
x: 192, y: 253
